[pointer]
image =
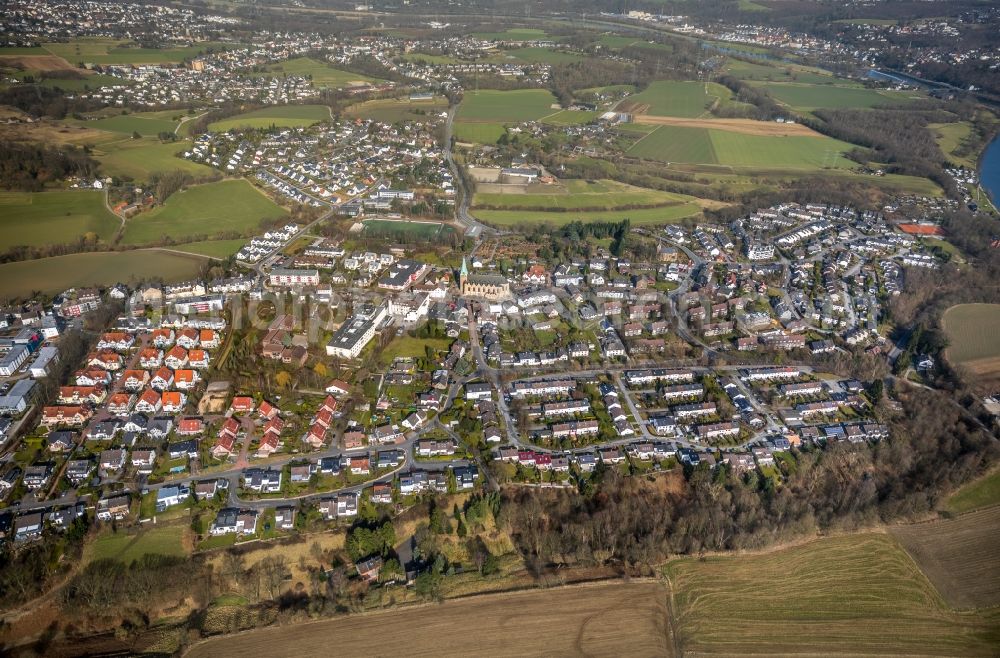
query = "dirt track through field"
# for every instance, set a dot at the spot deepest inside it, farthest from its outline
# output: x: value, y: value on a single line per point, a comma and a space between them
x: 744, y: 126
x: 604, y: 619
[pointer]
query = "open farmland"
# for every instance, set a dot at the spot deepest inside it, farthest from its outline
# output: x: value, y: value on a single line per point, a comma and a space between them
x: 538, y: 55
x: 848, y: 595
x: 579, y: 195
x: 959, y: 556
x: 513, y: 34
x: 203, y: 210
x: 572, y: 620
x: 147, y: 124
x: 220, y: 249
x: 691, y: 145
x: 138, y: 159
x: 322, y: 74
x: 973, y: 340
x: 281, y: 116
x: 57, y: 217
x: 675, y: 99
x: 392, y: 110
x: 111, y: 51
x: 805, y: 97
x: 662, y: 215
x: 53, y: 275
x: 977, y: 494
x: 481, y: 133
x: 505, y: 106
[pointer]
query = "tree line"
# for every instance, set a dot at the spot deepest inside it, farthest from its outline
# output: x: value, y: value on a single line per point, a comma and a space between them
x: 29, y: 166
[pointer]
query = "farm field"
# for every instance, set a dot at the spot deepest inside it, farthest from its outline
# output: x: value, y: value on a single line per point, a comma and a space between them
x: 973, y: 341
x: 664, y: 215
x: 138, y: 159
x: 392, y: 110
x: 146, y: 124
x: 505, y: 106
x: 162, y: 539
x: 478, y: 133
x: 203, y: 210
x: 573, y: 621
x: 513, y: 34
x: 323, y: 75
x: 570, y: 117
x: 579, y: 194
x: 111, y: 51
x: 53, y: 275
x: 805, y: 97
x: 281, y: 116
x: 959, y: 556
x: 675, y: 99
x: 977, y: 494
x: 848, y: 595
x: 538, y: 55
x: 220, y: 249
x: 56, y: 217
x: 725, y: 147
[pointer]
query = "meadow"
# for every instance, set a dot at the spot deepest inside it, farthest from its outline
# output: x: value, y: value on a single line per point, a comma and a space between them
x: 505, y: 106
x: 579, y: 194
x: 127, y: 547
x: 847, y: 595
x: 570, y: 117
x: 725, y: 147
x: 980, y: 493
x: 55, y: 217
x: 220, y: 249
x: 959, y: 556
x: 138, y: 159
x: 280, y: 116
x: 203, y: 210
x: 973, y: 341
x: 322, y: 74
x: 53, y: 275
x: 146, y: 124
x: 478, y: 133
x: 538, y: 55
x: 513, y: 34
x: 675, y: 99
x: 805, y: 97
x: 573, y: 620
x: 393, y: 110
x: 98, y: 50
x: 951, y: 136
x: 663, y: 215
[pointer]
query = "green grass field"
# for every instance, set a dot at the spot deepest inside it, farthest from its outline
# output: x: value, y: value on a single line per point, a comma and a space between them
x: 280, y: 116
x: 164, y: 540
x: 709, y: 146
x: 571, y: 117
x: 505, y: 106
x: 578, y: 194
x: 203, y: 210
x: 408, y: 346
x: 425, y: 230
x: 322, y: 74
x: 138, y: 159
x: 220, y: 249
x: 53, y: 275
x: 675, y: 99
x: 850, y: 595
x: 538, y: 55
x: 950, y: 136
x: 393, y: 110
x: 664, y: 215
x: 478, y: 133
x: 984, y: 492
x: 111, y: 51
x: 805, y: 97
x: 513, y: 34
x: 57, y: 217
x: 147, y: 126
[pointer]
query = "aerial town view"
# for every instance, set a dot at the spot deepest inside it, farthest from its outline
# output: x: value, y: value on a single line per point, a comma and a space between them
x: 503, y: 328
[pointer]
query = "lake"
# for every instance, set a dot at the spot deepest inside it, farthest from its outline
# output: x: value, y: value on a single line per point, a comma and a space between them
x: 989, y: 170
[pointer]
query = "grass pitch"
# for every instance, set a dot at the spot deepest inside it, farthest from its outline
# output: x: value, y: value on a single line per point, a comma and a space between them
x: 203, y: 210
x: 57, y: 217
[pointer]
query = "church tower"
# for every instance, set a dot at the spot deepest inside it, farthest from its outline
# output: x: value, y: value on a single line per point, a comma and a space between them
x: 463, y: 275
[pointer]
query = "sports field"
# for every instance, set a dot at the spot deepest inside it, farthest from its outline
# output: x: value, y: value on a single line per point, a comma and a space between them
x: 850, y: 595
x: 725, y: 147
x: 426, y: 230
x: 57, y: 217
x: 322, y: 74
x: 601, y: 619
x: 392, y: 110
x: 203, y: 211
x: 959, y: 556
x: 98, y: 50
x: 279, y: 116
x: 138, y: 159
x: 805, y: 97
x: 973, y: 339
x: 675, y: 99
x: 53, y: 275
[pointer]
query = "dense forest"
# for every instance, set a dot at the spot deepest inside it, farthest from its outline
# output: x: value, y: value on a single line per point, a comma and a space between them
x: 29, y: 166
